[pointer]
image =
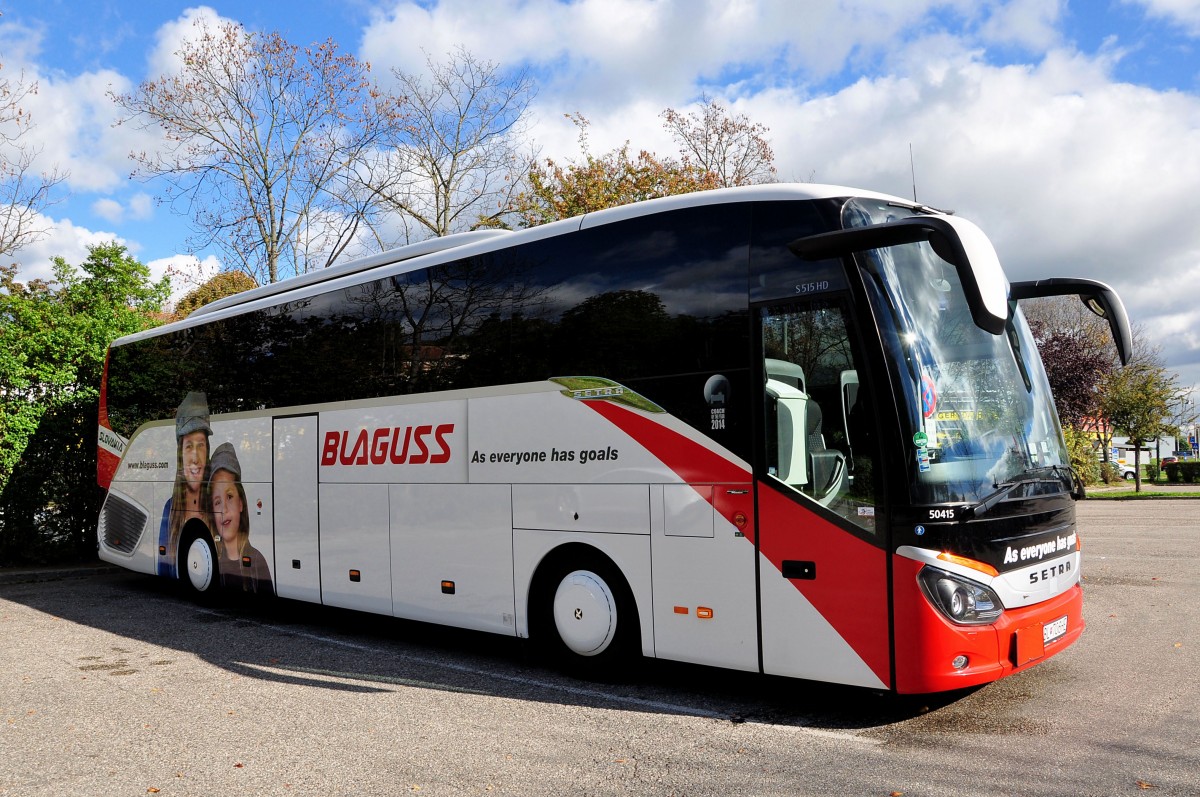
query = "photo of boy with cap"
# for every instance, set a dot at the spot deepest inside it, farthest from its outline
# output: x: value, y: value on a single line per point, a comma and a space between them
x: 242, y: 566
x: 188, y: 501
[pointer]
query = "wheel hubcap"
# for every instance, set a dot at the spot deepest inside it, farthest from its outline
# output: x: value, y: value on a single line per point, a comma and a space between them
x: 585, y: 613
x: 200, y: 565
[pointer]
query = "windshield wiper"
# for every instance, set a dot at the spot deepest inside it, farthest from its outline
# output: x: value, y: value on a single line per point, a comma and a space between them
x: 1036, y: 476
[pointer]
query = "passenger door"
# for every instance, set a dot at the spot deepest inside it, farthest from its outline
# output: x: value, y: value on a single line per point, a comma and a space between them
x: 822, y: 564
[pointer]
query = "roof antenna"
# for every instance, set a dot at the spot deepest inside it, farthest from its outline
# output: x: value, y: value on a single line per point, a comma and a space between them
x: 913, y: 168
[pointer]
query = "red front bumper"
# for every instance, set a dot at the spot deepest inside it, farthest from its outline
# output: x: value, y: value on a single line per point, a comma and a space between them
x: 927, y: 643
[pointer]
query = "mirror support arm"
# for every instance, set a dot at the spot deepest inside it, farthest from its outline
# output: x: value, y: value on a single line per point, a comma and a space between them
x: 955, y: 240
x: 1097, y: 296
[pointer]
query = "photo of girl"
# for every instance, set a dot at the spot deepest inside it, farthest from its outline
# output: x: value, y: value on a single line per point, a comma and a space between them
x: 187, y: 501
x: 242, y: 566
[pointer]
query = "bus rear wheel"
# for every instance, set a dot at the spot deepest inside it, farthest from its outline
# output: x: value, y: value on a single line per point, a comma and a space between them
x: 586, y: 619
x: 198, y: 565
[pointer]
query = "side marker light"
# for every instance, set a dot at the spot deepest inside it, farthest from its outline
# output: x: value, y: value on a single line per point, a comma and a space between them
x: 982, y: 567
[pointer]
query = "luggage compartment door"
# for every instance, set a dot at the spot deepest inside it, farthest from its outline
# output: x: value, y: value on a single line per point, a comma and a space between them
x: 297, y: 535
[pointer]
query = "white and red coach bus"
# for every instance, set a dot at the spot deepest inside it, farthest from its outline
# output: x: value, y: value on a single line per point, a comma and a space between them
x: 793, y: 429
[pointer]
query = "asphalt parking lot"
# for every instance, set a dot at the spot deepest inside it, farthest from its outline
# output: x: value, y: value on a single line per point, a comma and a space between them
x: 112, y: 684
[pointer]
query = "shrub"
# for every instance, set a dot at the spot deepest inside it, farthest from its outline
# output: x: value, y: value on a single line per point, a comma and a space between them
x: 1187, y: 472
x: 1083, y: 455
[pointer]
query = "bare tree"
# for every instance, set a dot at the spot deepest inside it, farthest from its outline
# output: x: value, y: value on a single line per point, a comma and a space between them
x: 466, y: 152
x: 264, y: 146
x: 733, y: 148
x: 24, y: 192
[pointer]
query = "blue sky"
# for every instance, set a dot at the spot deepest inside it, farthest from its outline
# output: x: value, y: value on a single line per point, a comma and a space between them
x: 1070, y: 131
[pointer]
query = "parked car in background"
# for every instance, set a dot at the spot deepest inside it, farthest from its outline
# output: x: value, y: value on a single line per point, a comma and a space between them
x: 1168, y: 460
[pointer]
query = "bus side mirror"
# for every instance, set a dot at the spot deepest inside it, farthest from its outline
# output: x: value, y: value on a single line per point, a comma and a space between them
x: 955, y: 240
x: 1097, y: 297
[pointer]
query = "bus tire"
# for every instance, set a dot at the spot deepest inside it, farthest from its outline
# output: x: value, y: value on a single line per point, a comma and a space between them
x: 198, y: 569
x: 583, y: 616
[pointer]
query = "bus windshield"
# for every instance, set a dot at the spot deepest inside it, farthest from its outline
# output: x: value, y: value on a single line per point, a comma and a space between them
x: 976, y: 408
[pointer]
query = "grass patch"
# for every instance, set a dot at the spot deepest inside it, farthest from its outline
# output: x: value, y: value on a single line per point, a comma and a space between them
x: 1125, y: 495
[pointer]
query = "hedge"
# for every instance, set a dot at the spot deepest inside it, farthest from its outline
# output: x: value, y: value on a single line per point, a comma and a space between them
x: 1187, y: 472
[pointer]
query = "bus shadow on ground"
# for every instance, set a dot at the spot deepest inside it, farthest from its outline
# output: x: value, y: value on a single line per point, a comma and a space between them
x: 327, y: 648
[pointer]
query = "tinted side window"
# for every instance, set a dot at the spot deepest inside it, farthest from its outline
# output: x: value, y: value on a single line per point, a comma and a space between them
x: 776, y: 273
x: 657, y: 303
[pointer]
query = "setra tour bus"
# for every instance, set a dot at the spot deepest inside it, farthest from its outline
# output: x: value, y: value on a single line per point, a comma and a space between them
x: 799, y: 430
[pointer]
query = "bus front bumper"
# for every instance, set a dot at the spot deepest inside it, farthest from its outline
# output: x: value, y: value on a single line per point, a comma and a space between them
x: 933, y: 654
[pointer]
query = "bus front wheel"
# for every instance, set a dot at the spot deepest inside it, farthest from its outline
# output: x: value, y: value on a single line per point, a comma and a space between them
x: 586, y: 618
x: 198, y: 565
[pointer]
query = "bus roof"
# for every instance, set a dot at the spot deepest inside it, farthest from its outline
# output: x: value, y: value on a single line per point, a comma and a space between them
x: 433, y: 251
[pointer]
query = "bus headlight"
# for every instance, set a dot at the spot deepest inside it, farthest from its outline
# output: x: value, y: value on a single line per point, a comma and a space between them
x: 960, y: 599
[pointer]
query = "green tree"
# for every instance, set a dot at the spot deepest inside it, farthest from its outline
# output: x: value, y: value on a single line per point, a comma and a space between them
x: 53, y: 340
x: 1081, y: 447
x: 227, y: 283
x: 1139, y: 402
x: 594, y: 182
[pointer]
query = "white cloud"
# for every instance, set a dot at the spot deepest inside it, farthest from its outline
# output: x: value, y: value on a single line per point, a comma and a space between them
x: 171, y: 36
x: 21, y: 45
x: 72, y: 117
x: 614, y: 51
x: 141, y: 206
x: 1025, y: 23
x: 187, y: 272
x: 63, y: 239
x: 1183, y: 12
x: 109, y: 209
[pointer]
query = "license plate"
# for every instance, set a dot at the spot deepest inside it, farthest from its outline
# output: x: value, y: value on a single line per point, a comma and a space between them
x: 1053, y: 630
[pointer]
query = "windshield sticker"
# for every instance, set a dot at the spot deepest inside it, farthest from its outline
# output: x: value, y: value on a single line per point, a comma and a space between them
x: 928, y: 397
